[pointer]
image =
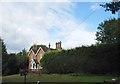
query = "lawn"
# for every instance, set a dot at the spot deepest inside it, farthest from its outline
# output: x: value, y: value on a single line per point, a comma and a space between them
x: 56, y: 78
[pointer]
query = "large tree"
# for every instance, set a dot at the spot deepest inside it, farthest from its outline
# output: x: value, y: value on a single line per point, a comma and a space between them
x: 112, y: 6
x: 22, y: 59
x: 4, y: 56
x: 108, y: 31
x: 4, y: 50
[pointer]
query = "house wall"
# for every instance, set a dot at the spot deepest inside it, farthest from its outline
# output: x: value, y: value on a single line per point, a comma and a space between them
x: 38, y: 54
x: 31, y: 56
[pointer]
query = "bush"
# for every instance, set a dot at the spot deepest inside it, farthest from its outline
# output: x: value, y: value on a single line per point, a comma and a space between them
x: 94, y: 59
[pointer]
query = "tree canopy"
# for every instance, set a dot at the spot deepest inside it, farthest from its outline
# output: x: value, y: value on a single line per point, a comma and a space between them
x: 11, y: 63
x: 4, y: 56
x: 94, y: 59
x: 108, y: 31
x: 22, y: 60
x: 112, y: 6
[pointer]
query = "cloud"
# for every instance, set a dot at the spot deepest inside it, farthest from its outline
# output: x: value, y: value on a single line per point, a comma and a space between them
x: 55, y: 0
x: 75, y: 34
x: 26, y: 23
x: 35, y: 0
x: 95, y: 6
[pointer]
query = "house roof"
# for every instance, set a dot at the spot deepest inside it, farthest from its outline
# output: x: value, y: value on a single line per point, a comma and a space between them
x: 36, y: 47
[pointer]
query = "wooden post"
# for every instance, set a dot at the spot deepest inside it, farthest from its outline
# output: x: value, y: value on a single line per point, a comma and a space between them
x: 25, y: 74
x: 24, y: 79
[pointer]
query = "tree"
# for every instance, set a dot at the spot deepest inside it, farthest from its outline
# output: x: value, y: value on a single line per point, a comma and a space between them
x: 100, y: 59
x: 12, y: 64
x: 4, y: 50
x: 9, y: 63
x: 4, y: 56
x: 112, y: 6
x: 108, y: 31
x: 22, y: 60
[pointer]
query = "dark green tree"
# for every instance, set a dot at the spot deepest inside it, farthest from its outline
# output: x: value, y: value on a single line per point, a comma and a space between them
x: 108, y: 31
x: 4, y: 50
x: 112, y: 6
x: 22, y: 59
x: 12, y: 67
x: 4, y: 56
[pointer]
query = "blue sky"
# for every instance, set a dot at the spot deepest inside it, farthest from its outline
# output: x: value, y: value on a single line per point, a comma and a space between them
x: 83, y: 12
x: 73, y: 23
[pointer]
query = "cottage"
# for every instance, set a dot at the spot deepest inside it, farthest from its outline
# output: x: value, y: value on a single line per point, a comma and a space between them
x: 36, y: 53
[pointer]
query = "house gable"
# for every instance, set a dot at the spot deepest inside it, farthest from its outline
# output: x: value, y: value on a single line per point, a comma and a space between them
x: 31, y: 55
x: 40, y: 54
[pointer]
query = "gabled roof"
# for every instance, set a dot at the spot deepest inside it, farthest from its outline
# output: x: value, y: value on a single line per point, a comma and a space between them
x: 30, y: 52
x: 35, y: 49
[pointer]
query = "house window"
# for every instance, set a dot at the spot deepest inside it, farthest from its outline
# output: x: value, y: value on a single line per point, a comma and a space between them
x: 33, y: 66
x: 40, y: 55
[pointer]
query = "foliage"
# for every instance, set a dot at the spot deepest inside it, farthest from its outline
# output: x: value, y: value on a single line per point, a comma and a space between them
x: 108, y: 31
x: 22, y: 60
x: 112, y: 6
x: 11, y: 63
x: 8, y: 61
x: 94, y: 59
x: 4, y: 57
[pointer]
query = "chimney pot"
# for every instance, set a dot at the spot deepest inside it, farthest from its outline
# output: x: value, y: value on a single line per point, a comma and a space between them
x: 49, y: 46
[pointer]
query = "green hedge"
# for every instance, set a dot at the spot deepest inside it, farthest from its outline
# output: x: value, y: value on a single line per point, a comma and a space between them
x: 94, y: 59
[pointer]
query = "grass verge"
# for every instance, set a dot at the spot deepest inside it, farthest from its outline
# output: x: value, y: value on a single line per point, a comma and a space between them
x: 55, y: 78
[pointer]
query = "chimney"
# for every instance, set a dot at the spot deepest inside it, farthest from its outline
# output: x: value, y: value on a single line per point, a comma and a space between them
x: 34, y: 46
x: 49, y: 46
x: 58, y: 45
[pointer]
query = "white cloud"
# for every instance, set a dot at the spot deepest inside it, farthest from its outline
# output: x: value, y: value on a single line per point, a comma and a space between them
x: 95, y: 6
x: 35, y: 0
x: 55, y: 0
x: 26, y: 23
x: 75, y: 34
x: 78, y: 38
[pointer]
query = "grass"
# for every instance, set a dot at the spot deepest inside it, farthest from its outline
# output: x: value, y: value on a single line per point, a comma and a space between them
x: 55, y: 78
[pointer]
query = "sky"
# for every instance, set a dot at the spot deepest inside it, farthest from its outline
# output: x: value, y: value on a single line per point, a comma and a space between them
x: 28, y: 22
